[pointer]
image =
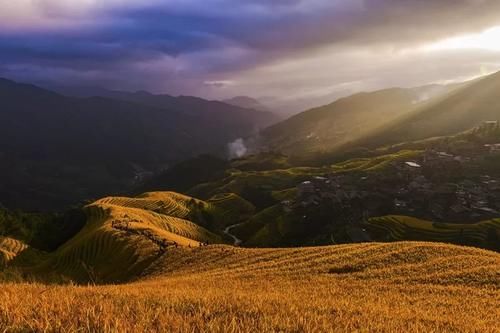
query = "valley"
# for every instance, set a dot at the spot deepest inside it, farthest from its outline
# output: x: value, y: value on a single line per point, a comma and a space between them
x: 399, y: 196
x: 225, y: 166
x: 378, y: 237
x: 58, y: 152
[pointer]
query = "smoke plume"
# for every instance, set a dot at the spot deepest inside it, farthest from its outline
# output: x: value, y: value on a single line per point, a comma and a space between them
x: 237, y: 148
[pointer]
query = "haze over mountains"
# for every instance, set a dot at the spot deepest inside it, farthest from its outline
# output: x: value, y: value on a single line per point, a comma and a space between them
x: 327, y: 127
x: 57, y: 150
x: 456, y: 111
x: 370, y: 120
x: 185, y: 104
x: 247, y: 102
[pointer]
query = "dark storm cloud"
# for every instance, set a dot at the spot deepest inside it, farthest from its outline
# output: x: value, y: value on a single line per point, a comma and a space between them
x: 196, y: 40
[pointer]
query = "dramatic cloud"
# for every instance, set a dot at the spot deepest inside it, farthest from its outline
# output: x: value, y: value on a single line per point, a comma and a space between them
x: 307, y: 49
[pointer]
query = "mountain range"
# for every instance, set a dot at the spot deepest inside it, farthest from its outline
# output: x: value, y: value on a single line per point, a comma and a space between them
x: 57, y: 150
x: 464, y: 107
x: 423, y: 167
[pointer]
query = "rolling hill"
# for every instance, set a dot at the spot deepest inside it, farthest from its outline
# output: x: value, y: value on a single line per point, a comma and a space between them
x: 159, y: 262
x: 396, y: 228
x: 327, y: 127
x: 410, y: 287
x: 9, y: 249
x: 122, y: 236
x: 56, y: 151
x: 463, y: 108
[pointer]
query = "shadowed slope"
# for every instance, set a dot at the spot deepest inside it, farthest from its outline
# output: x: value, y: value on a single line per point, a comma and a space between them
x: 57, y: 151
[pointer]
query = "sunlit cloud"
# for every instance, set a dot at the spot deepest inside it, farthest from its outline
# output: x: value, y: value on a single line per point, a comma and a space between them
x: 290, y: 49
x: 486, y: 40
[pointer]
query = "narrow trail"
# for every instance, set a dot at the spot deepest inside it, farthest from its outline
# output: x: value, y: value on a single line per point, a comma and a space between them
x: 227, y: 231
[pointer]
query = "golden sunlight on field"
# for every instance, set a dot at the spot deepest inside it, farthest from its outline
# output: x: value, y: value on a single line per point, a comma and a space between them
x: 399, y: 287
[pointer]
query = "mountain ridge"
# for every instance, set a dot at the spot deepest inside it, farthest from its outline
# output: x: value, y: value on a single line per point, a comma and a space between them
x: 461, y: 109
x: 58, y: 150
x: 330, y: 126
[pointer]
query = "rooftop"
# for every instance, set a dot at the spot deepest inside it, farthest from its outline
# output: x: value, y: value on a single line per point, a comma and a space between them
x: 413, y: 164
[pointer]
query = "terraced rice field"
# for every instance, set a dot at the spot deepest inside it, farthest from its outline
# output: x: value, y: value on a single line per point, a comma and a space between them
x: 375, y: 163
x: 9, y: 249
x: 396, y: 287
x: 233, y: 208
x: 166, y: 203
x: 124, y: 235
x: 265, y: 228
x: 404, y: 227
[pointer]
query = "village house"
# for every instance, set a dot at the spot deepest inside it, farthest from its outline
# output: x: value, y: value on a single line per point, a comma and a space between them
x: 493, y: 148
x: 305, y: 188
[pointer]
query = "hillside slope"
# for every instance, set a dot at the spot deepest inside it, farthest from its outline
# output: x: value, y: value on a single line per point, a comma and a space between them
x: 9, y: 249
x: 404, y: 262
x: 462, y: 109
x: 330, y: 126
x: 123, y: 236
x: 400, y: 287
x: 397, y: 228
x: 56, y: 151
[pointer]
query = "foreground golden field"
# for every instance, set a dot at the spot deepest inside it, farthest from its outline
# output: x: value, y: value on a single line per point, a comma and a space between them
x: 398, y: 287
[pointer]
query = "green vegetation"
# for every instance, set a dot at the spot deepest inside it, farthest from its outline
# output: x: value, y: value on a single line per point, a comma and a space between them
x: 117, y: 237
x: 329, y: 126
x: 186, y: 174
x: 273, y: 181
x: 262, y: 228
x: 124, y: 235
x: 377, y: 163
x: 395, y: 228
x: 85, y: 148
x: 230, y: 209
x: 261, y: 162
x: 43, y: 231
x: 467, y: 106
x: 358, y: 125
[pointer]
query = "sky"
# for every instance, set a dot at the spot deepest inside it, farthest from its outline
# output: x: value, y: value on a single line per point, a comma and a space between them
x: 290, y: 53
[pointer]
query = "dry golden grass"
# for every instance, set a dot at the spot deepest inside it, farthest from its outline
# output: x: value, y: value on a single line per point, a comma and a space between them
x: 397, y: 287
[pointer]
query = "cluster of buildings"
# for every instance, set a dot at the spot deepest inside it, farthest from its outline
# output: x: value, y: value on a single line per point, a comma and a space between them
x: 436, y: 186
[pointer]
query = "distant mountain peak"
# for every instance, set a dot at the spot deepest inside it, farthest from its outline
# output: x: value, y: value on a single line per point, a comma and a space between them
x: 247, y: 103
